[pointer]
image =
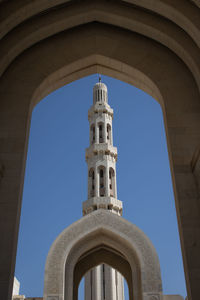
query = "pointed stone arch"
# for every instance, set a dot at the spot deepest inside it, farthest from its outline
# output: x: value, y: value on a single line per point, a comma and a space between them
x: 102, y: 237
x: 154, y: 47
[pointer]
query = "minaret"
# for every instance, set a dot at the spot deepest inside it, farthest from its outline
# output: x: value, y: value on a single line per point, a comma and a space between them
x: 102, y: 282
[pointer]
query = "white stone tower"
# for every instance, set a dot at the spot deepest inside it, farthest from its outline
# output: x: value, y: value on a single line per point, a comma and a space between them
x: 102, y: 282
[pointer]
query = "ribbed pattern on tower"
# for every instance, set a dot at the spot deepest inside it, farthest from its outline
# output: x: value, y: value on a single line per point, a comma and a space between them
x: 102, y: 282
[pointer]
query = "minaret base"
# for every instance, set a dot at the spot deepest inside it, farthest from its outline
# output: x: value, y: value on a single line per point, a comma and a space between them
x: 104, y: 283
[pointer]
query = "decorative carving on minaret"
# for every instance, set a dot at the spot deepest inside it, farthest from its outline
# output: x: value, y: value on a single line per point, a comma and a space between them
x: 102, y: 282
x: 101, y: 155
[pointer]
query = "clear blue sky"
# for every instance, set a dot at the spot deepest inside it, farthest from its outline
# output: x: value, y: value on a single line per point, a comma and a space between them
x: 56, y: 177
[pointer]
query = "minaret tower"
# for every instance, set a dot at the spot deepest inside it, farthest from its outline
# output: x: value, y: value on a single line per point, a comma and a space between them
x: 102, y: 282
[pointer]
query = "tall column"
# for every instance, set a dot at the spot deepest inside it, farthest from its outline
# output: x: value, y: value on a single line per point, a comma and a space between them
x: 97, y: 282
x: 115, y: 186
x: 111, y: 135
x: 102, y: 282
x: 104, y: 132
x: 96, y: 133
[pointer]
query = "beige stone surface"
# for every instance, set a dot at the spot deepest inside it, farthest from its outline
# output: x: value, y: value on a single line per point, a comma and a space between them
x: 102, y: 237
x: 153, y: 45
x: 102, y: 282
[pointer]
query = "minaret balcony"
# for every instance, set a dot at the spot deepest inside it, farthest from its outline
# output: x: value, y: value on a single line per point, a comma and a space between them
x: 108, y: 203
x: 100, y: 108
x: 102, y: 148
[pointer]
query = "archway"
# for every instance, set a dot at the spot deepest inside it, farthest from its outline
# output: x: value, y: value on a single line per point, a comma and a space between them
x: 102, y: 237
x: 113, y: 51
x: 118, y: 280
x: 97, y: 256
x: 63, y: 194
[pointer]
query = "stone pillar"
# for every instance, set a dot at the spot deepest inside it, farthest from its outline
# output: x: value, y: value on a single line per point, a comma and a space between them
x: 115, y: 184
x: 96, y: 133
x: 104, y: 132
x: 111, y: 136
x: 87, y: 289
x: 100, y: 282
x: 97, y: 283
x: 109, y: 280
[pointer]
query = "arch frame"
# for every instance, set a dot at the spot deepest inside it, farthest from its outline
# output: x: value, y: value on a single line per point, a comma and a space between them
x: 94, y: 259
x: 172, y: 31
x: 106, y: 230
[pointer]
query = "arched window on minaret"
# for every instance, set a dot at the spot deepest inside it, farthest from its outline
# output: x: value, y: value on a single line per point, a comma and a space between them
x: 109, y: 134
x: 112, y: 182
x: 101, y: 181
x: 92, y: 134
x: 101, y: 137
x: 98, y: 95
x: 91, y: 183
